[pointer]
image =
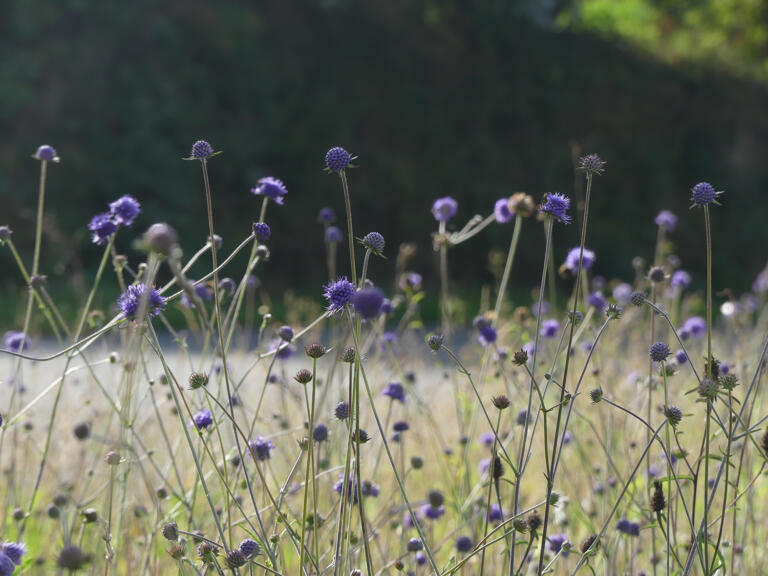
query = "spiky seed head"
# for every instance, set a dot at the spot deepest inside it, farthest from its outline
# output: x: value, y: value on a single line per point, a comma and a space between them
x: 637, y: 298
x: 170, y: 531
x: 198, y: 380
x: 501, y: 402
x: 674, y: 415
x: 658, y: 502
x: 348, y: 355
x: 520, y: 357
x: 315, y: 350
x: 435, y: 342
x: 534, y: 521
x: 520, y: 525
x: 596, y: 395
x: 235, y: 559
x: 708, y: 389
x: 303, y: 376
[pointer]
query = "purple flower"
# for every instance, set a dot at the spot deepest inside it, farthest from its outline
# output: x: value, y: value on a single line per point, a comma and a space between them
x: 659, y: 351
x: 326, y: 216
x: 502, y: 212
x: 124, y: 210
x: 102, y: 227
x: 549, y: 328
x: 201, y: 149
x: 597, y: 300
x: 410, y: 281
x: 680, y: 279
x: 46, y: 153
x: 16, y: 341
x: 629, y: 528
x: 488, y: 335
x: 432, y: 512
x: 367, y: 302
x: 351, y: 487
x: 337, y: 158
x: 445, y: 208
x: 201, y: 420
x: 681, y: 357
x: 14, y: 551
x: 395, y: 391
x: 261, y: 448
x: 556, y: 205
x: 696, y: 326
x: 487, y: 439
x: 374, y: 241
x: 262, y: 231
x: 283, y: 349
x: 572, y: 260
x: 6, y: 565
x: 333, y: 234
x: 464, y: 544
x: 555, y: 543
x: 401, y: 426
x: 271, y: 188
x: 703, y: 194
x: 250, y: 548
x: 138, y: 296
x: 496, y: 514
x: 370, y: 489
x: 338, y: 294
x: 666, y: 219
x: 320, y: 433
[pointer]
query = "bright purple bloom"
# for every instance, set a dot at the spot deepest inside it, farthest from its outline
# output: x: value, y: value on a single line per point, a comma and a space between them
x: 629, y: 528
x: 556, y: 205
x: 487, y: 439
x: 696, y: 326
x: 496, y: 514
x: 102, y: 227
x: 250, y: 547
x: 401, y: 426
x: 367, y: 302
x: 138, y: 296
x: 549, y: 328
x: 14, y: 551
x: 271, y: 188
x: 443, y: 209
x: 395, y: 391
x: 261, y: 448
x: 338, y: 294
x: 337, y: 158
x: 667, y: 220
x: 555, y: 543
x: 124, y: 210
x: 680, y: 279
x: 432, y: 512
x: 320, y: 433
x: 703, y: 194
x: 262, y: 231
x: 201, y: 149
x: 16, y: 341
x: 201, y: 420
x: 572, y: 260
x: 464, y: 544
x: 502, y: 212
x: 597, y: 300
x: 681, y: 357
x: 47, y: 153
x: 6, y: 565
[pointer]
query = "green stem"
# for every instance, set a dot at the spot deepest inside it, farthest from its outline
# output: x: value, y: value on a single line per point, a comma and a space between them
x: 507, y: 270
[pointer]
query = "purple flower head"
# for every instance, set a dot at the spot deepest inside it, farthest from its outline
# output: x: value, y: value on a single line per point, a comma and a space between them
x: 14, y: 551
x: 102, y: 227
x: 622, y: 293
x: 432, y: 512
x: 659, y: 351
x: 421, y: 558
x: 572, y: 260
x: 401, y: 426
x: 567, y: 437
x: 496, y: 514
x: 680, y: 279
x: 124, y: 210
x: 227, y: 285
x: 549, y: 328
x: 201, y: 149
x: 696, y: 326
x: 285, y: 333
x: 387, y: 307
x: 502, y: 212
x: 667, y: 220
x: 262, y: 231
x: 204, y: 292
x: 464, y: 544
x: 337, y: 158
x: 46, y: 153
x: 139, y: 296
x: 341, y: 411
x: 367, y: 302
x: 374, y: 242
x: 201, y: 420
x: 410, y: 281
x: 6, y: 565
x: 395, y: 391
x: 487, y: 439
x: 250, y: 548
x: 488, y: 335
x: 597, y: 300
x: 371, y: 489
x: 16, y: 341
x: 445, y: 208
x: 629, y: 528
x: 320, y: 433
x: 703, y: 194
x: 351, y: 486
x: 681, y: 357
x: 271, y: 188
x: 284, y: 350
x: 261, y: 448
x: 326, y: 216
x: 388, y: 339
x: 333, y: 235
x: 555, y: 543
x: 338, y: 294
x: 556, y: 205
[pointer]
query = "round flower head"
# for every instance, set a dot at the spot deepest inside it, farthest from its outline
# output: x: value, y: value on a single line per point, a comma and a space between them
x: 124, y: 210
x: 674, y: 415
x: 557, y: 542
x: 659, y: 352
x: 285, y: 333
x: 550, y: 328
x: 703, y: 194
x: 695, y: 326
x: 341, y: 411
x: 338, y: 294
x: 629, y: 528
x: 464, y: 544
x: 201, y: 420
x: 261, y: 448
x: 201, y: 149
x: 374, y: 241
x: 6, y: 565
x: 443, y: 209
x: 414, y: 545
x: 597, y: 300
x: 102, y: 227
x: 5, y: 233
x: 556, y: 205
x: 367, y: 302
x: 262, y: 231
x: 333, y: 235
x: 271, y: 188
x: 320, y: 433
x: 138, y: 295
x: 591, y: 164
x: 235, y: 559
x: 502, y: 212
x: 46, y: 153
x: 666, y: 219
x: 680, y: 279
x: 336, y: 159
x: 14, y: 551
x: 401, y: 426
x: 572, y: 260
x: 326, y: 216
x: 16, y: 341
x: 395, y: 391
x: 250, y: 548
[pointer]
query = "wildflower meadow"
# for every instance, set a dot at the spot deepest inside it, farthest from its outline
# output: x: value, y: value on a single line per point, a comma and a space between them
x: 180, y: 421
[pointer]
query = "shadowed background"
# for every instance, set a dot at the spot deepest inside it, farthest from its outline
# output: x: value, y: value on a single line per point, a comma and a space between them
x: 470, y: 99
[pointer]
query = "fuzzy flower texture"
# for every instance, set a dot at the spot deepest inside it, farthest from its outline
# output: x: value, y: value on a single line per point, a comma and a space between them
x: 272, y: 188
x: 556, y: 205
x: 338, y: 294
x: 138, y: 295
